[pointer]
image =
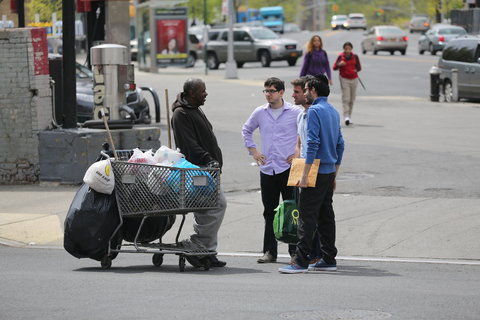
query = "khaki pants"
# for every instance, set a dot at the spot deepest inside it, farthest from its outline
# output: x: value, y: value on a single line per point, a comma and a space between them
x: 349, y: 93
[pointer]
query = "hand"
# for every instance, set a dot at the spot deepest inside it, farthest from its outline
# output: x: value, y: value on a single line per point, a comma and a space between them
x: 290, y: 158
x: 214, y: 164
x: 260, y: 158
x: 303, y: 182
x: 330, y: 82
x: 342, y: 63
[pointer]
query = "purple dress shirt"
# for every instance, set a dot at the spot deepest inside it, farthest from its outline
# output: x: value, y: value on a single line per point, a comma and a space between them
x: 278, y: 136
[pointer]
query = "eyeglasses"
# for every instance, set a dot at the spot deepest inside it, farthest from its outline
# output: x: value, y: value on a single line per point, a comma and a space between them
x: 269, y: 91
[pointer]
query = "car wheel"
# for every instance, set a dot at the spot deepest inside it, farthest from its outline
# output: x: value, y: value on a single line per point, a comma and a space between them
x: 212, y: 61
x: 392, y: 52
x: 421, y: 51
x: 191, y: 60
x: 432, y: 51
x: 240, y: 64
x: 448, y: 91
x: 292, y: 62
x: 403, y: 52
x: 265, y: 59
x: 363, y: 50
x: 375, y: 51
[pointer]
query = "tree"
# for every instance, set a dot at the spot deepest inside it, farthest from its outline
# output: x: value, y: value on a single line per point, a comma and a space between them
x: 44, y: 8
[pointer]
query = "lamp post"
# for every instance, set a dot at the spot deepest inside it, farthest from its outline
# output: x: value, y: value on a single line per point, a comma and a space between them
x: 231, y: 67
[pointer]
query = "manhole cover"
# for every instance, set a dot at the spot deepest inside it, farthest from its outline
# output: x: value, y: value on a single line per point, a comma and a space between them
x: 335, y: 315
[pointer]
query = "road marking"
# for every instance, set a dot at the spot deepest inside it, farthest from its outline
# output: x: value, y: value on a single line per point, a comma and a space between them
x: 27, y: 228
x: 372, y: 259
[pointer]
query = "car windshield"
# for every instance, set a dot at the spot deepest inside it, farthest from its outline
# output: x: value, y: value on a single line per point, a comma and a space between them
x: 264, y: 34
x: 451, y: 31
x: 390, y: 31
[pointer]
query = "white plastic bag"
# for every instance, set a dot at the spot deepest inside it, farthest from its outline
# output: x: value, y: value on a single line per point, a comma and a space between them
x: 99, y: 177
x: 142, y: 157
x: 167, y: 156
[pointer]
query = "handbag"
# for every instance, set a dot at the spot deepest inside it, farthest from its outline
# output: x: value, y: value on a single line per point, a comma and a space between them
x: 285, y: 221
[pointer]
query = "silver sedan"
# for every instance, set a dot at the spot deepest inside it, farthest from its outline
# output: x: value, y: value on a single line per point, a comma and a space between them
x: 385, y: 38
x: 435, y: 39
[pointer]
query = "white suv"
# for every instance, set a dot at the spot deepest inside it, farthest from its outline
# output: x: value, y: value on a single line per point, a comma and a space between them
x: 356, y: 21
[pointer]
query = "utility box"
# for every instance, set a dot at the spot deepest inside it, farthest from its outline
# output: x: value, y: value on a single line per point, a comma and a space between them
x: 111, y: 75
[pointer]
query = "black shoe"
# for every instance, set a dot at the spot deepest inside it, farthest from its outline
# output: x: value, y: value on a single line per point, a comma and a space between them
x: 215, y: 263
x: 195, y: 261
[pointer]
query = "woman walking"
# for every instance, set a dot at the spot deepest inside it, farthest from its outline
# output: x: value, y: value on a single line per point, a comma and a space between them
x: 349, y: 66
x: 316, y: 60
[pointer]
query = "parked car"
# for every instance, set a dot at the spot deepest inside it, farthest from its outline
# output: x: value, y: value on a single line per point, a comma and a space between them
x: 419, y: 24
x: 195, y: 50
x: 339, y: 21
x: 356, y: 21
x: 385, y: 38
x: 135, y: 101
x: 251, y: 44
x: 462, y: 54
x: 435, y: 39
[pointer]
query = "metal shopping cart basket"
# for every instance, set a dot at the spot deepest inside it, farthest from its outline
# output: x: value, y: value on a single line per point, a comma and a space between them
x: 144, y: 190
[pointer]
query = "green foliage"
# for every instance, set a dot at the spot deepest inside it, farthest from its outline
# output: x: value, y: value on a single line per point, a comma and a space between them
x: 44, y: 8
x: 214, y: 10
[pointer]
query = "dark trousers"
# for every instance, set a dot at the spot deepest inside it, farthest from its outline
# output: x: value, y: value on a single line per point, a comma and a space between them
x: 272, y: 186
x: 316, y: 213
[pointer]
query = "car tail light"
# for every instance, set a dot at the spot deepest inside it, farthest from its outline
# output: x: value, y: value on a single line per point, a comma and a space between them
x: 379, y: 38
x: 405, y: 38
x: 130, y: 86
x: 441, y: 38
x: 426, y: 24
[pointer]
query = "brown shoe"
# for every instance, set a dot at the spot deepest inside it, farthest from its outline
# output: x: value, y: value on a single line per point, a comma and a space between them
x: 267, y: 258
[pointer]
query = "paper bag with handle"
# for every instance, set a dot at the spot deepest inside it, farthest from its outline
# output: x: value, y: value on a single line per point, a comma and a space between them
x: 296, y: 172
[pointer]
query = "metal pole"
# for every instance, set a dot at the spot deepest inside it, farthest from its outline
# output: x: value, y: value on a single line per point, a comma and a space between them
x: 168, y: 120
x: 21, y: 13
x: 205, y: 35
x: 69, y: 82
x: 231, y: 67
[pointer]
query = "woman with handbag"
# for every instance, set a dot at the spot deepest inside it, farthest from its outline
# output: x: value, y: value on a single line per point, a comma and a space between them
x: 316, y: 59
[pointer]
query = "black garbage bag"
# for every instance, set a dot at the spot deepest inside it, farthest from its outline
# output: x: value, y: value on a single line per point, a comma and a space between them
x: 90, y: 222
x: 153, y: 228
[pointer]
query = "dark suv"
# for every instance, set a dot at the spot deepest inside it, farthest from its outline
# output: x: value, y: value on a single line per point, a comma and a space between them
x: 462, y: 54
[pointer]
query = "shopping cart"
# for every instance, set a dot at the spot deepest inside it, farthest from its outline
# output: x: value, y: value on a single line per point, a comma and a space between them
x: 144, y: 191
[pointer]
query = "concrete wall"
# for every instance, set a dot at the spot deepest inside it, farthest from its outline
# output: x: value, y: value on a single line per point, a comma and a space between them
x: 25, y: 102
x: 66, y: 154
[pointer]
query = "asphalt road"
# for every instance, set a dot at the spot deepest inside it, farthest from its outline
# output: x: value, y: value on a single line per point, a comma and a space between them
x: 49, y: 284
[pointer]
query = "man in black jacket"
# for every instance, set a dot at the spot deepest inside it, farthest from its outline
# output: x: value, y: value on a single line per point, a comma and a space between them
x: 194, y: 136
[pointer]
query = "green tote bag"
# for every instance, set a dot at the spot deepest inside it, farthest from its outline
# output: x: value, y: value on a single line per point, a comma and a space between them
x: 285, y: 221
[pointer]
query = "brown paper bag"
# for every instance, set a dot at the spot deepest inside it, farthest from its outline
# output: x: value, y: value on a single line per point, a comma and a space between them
x: 296, y: 172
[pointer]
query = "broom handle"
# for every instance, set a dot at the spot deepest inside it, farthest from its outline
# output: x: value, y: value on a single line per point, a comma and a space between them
x: 168, y: 120
x: 109, y: 133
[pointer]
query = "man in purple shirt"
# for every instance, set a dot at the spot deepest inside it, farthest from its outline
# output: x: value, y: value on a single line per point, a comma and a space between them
x: 277, y: 122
